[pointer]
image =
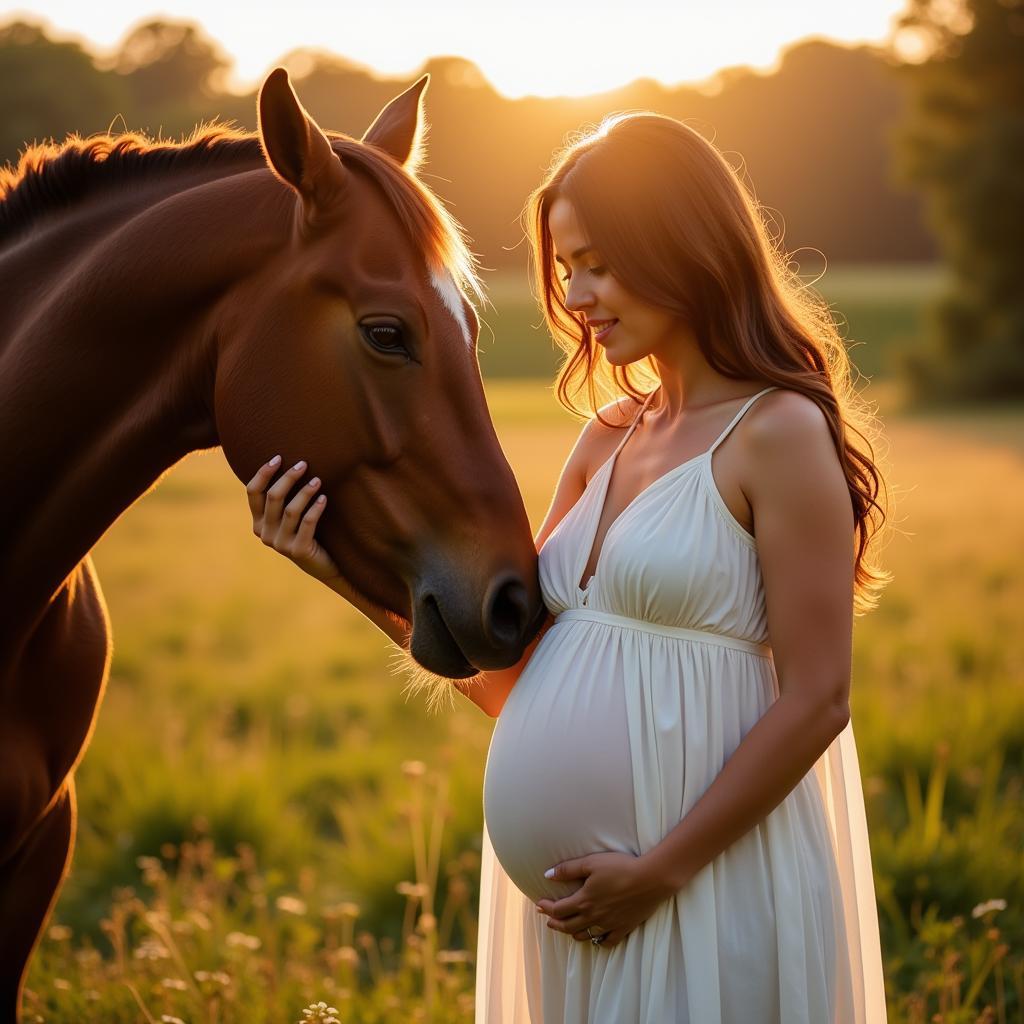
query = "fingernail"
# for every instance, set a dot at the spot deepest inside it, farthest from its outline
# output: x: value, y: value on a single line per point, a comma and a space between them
x: 550, y: 873
x: 274, y: 461
x: 300, y: 464
x: 314, y: 482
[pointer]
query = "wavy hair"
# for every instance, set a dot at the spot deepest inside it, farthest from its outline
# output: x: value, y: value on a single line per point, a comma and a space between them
x: 677, y: 227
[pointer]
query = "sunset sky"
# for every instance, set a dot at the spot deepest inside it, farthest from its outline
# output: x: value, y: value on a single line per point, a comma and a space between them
x: 526, y: 46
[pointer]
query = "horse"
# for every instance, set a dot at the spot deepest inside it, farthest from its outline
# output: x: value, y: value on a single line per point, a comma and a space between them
x: 290, y: 291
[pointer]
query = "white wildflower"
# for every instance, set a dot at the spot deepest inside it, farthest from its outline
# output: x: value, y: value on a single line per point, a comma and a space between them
x: 454, y: 956
x: 151, y: 949
x: 291, y: 905
x: 984, y: 908
x: 319, y: 1013
x: 239, y: 940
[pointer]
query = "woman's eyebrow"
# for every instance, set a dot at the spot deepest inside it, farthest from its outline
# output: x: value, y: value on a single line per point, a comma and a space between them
x: 582, y: 251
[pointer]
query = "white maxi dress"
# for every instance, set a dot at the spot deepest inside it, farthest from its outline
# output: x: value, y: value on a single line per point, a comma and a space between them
x: 634, y: 699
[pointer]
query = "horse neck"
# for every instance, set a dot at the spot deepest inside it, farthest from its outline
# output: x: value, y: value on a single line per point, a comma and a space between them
x: 107, y: 367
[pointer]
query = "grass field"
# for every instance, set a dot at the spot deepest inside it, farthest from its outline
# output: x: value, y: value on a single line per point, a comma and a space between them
x: 266, y: 821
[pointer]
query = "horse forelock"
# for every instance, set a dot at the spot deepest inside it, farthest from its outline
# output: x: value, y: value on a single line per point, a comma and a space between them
x: 51, y: 176
x: 430, y: 226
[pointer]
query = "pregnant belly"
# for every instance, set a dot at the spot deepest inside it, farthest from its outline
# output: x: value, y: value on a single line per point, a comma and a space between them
x: 559, y: 781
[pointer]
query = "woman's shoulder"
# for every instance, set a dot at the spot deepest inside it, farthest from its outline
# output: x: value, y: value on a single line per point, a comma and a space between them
x: 599, y: 435
x: 617, y: 415
x: 785, y: 419
x: 602, y: 432
x: 786, y: 430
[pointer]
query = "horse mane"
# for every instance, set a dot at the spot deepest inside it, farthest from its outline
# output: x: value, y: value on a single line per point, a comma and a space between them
x: 53, y: 176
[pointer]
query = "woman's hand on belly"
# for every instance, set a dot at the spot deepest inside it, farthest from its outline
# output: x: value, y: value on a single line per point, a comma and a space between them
x: 618, y: 894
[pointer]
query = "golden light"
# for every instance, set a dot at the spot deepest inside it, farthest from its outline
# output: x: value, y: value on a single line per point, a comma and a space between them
x: 522, y: 47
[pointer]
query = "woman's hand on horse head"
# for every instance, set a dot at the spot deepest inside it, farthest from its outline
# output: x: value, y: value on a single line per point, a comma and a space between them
x: 289, y: 528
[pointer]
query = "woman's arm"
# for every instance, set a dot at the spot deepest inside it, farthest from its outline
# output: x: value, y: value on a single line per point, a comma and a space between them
x: 804, y: 523
x: 805, y: 534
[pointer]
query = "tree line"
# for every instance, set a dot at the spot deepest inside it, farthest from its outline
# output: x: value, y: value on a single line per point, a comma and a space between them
x: 812, y: 138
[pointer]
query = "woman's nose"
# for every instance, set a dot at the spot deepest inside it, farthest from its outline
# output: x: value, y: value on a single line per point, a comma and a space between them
x: 578, y: 297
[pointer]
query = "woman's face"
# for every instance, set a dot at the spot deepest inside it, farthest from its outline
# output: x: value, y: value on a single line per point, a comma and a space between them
x: 627, y: 327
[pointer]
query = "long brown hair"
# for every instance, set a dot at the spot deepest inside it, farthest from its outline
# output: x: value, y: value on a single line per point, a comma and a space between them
x: 676, y: 226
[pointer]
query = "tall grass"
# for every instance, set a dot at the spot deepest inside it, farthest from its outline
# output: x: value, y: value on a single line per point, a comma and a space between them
x: 210, y: 937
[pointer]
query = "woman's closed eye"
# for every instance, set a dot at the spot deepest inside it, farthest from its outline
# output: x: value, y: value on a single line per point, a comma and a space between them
x: 596, y: 271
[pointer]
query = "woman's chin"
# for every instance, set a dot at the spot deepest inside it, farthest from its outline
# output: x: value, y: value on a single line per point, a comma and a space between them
x: 622, y: 357
x: 610, y: 354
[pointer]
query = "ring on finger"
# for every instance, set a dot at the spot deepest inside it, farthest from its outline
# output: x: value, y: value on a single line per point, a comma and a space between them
x: 596, y: 939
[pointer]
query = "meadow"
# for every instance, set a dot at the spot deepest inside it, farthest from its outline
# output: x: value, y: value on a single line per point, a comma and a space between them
x: 269, y: 829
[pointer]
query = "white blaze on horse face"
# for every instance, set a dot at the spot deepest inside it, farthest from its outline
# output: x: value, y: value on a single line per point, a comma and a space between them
x: 452, y: 298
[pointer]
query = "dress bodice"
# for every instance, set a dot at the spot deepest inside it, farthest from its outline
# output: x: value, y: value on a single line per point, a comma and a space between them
x: 675, y: 556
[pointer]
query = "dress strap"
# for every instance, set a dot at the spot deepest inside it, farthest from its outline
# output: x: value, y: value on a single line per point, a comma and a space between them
x: 746, y: 405
x: 632, y: 426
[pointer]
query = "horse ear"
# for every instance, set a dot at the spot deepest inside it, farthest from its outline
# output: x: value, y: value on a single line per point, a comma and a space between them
x: 295, y: 146
x: 400, y: 128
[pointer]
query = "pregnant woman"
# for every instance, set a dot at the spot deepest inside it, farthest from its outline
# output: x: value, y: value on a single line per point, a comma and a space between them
x: 674, y: 822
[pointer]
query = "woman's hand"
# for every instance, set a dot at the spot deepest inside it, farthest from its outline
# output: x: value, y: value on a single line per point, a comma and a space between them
x: 289, y: 528
x: 619, y: 893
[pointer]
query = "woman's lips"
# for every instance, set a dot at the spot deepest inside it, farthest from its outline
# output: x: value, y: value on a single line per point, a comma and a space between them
x: 602, y: 328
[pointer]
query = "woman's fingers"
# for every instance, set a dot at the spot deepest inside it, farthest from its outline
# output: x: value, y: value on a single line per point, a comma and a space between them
x: 291, y: 538
x: 304, y: 540
x: 570, y: 906
x: 276, y: 494
x: 279, y: 489
x: 254, y: 491
x: 570, y: 925
x: 290, y: 529
x: 294, y: 509
x: 274, y: 522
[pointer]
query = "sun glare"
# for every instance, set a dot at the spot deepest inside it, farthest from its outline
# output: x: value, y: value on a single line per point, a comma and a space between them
x: 522, y: 48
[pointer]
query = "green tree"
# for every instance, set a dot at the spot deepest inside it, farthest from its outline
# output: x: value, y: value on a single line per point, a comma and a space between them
x: 50, y: 89
x: 963, y: 145
x: 175, y: 74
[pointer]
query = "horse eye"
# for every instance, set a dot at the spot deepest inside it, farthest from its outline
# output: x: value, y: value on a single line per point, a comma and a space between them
x: 385, y: 337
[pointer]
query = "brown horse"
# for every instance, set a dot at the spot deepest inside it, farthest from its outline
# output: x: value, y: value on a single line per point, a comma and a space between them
x: 158, y: 295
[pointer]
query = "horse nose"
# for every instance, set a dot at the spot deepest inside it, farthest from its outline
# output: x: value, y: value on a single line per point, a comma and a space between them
x: 506, y: 612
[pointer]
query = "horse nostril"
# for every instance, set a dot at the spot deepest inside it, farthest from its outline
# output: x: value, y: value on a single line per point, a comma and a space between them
x: 505, y: 618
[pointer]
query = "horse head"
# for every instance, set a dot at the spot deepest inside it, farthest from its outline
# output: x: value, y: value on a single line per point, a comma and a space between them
x: 355, y: 349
